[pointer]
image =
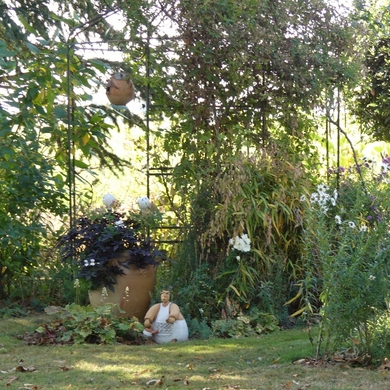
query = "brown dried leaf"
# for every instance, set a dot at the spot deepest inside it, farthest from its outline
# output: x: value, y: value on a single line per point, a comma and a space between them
x: 12, y: 379
x: 355, y: 340
x: 155, y: 382
x: 385, y: 365
x: 25, y: 369
x: 199, y: 357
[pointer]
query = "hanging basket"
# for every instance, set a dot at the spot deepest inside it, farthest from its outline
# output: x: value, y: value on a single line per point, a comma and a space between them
x: 120, y: 89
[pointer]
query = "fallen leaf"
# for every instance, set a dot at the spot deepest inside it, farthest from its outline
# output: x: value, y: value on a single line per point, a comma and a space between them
x: 355, y: 340
x: 142, y: 372
x: 64, y: 368
x: 24, y: 369
x: 385, y: 365
x: 199, y: 357
x: 190, y: 366
x: 275, y: 360
x: 155, y: 382
x: 12, y: 379
x: 29, y: 386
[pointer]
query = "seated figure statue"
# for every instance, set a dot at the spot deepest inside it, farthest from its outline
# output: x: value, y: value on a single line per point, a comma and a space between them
x: 164, y: 321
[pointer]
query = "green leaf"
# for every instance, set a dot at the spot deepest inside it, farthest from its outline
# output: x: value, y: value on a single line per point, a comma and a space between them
x: 40, y: 329
x: 32, y: 48
x: 80, y: 164
x: 60, y: 112
x: 27, y: 26
x: 100, y: 65
x: 4, y: 52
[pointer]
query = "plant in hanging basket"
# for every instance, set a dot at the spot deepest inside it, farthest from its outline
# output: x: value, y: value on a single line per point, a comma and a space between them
x: 96, y: 243
x: 120, y: 89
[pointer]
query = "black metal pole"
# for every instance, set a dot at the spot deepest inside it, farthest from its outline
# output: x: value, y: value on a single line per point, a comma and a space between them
x: 70, y: 114
x: 148, y: 114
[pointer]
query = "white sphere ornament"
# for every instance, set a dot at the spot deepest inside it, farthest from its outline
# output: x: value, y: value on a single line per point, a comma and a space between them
x: 143, y: 202
x: 108, y: 200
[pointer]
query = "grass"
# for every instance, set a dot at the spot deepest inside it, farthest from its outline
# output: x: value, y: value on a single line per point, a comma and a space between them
x: 250, y: 363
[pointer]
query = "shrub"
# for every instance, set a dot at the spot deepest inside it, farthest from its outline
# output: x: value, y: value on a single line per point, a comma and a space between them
x: 347, y: 248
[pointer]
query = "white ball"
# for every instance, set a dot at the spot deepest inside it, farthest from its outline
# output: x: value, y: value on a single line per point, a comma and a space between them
x: 108, y: 200
x: 143, y: 202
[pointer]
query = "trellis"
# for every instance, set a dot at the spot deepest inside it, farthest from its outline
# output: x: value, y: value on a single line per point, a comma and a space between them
x: 158, y: 171
x: 150, y: 171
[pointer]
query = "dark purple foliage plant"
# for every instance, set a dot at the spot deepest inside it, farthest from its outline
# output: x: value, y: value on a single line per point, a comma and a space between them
x: 102, y: 245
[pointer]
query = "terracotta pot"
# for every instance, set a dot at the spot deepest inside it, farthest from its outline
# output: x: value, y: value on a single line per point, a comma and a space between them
x: 120, y: 89
x: 132, y: 293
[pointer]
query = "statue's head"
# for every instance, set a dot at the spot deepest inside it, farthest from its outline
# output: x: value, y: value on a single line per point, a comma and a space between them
x: 165, y: 295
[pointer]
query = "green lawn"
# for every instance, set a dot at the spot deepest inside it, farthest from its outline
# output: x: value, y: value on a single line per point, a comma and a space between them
x: 251, y: 363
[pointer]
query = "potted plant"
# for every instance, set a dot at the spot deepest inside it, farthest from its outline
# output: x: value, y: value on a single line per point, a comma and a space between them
x: 115, y: 257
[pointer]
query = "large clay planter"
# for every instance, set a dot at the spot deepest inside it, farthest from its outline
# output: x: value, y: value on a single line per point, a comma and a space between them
x: 120, y: 89
x: 132, y: 293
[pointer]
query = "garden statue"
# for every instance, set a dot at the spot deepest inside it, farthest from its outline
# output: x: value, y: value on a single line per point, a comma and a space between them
x: 164, y: 321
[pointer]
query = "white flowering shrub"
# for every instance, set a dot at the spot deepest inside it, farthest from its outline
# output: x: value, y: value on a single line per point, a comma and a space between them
x: 241, y: 243
x: 347, y: 247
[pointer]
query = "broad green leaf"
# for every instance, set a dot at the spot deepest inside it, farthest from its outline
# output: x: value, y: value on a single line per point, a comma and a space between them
x: 32, y: 48
x: 60, y: 112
